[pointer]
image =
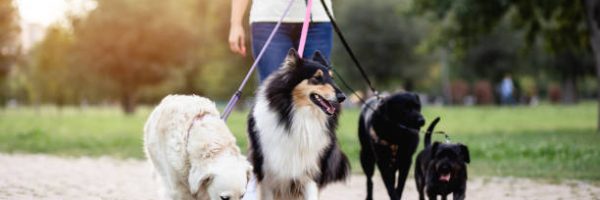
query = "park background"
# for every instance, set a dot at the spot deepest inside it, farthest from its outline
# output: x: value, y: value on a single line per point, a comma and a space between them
x: 83, y: 83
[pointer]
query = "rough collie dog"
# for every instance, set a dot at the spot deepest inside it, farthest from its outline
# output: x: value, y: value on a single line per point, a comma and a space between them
x: 194, y: 153
x: 291, y: 129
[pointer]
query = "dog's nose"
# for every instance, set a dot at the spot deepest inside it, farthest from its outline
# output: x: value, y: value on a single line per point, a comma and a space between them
x: 224, y: 197
x: 421, y: 121
x: 340, y: 97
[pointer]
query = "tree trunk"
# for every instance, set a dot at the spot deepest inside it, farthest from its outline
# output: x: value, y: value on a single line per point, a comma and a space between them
x: 190, y: 80
x: 569, y: 90
x: 592, y: 8
x: 128, y: 103
x: 446, y: 89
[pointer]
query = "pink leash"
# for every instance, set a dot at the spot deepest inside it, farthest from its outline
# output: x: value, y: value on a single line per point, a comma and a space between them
x: 305, y: 28
x: 301, y: 45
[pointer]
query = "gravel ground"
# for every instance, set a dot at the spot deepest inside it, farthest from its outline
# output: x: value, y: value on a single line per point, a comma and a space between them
x: 51, y: 177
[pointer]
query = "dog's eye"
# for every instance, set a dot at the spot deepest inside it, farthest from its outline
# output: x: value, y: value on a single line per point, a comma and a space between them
x: 242, y: 196
x: 316, y: 80
x: 319, y: 78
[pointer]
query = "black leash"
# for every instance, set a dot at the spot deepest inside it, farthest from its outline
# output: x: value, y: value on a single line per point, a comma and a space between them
x: 364, y: 102
x: 365, y: 77
x: 348, y: 49
x: 446, y: 136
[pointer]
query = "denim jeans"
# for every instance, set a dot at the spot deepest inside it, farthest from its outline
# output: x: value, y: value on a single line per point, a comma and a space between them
x: 319, y: 37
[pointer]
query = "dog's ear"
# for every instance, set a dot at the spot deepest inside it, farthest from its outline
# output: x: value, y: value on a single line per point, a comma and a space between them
x: 434, y: 148
x: 383, y: 106
x: 199, y: 178
x: 249, y: 168
x: 292, y: 59
x: 464, y: 152
x: 319, y: 58
x: 417, y: 98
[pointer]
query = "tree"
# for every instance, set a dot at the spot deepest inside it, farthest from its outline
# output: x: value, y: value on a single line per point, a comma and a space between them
x: 9, y: 42
x: 135, y: 43
x: 50, y: 72
x: 214, y: 70
x: 592, y: 10
x: 385, y: 42
x: 492, y: 56
x: 565, y: 27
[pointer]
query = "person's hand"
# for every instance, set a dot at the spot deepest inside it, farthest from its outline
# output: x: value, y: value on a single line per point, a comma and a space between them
x: 237, y: 40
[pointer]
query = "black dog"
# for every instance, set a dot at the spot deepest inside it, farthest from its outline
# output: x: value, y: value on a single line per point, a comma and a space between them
x: 441, y: 168
x: 389, y: 136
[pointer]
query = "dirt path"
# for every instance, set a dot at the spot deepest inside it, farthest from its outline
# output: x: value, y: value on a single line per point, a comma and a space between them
x: 50, y: 177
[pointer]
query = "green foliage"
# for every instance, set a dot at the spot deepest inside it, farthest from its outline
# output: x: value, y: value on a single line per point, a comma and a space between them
x: 551, y: 37
x: 52, y: 75
x: 493, y: 56
x: 384, y: 37
x: 51, y: 72
x: 140, y: 50
x: 133, y: 50
x: 9, y: 34
x: 556, y: 142
x: 561, y: 23
x: 9, y: 43
x: 135, y: 43
x: 217, y: 72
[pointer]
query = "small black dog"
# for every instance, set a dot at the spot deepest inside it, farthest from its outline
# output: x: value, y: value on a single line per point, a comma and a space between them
x: 441, y: 168
x: 389, y: 136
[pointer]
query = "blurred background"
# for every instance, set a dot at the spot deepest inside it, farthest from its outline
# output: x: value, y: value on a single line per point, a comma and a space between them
x: 79, y: 77
x: 135, y: 51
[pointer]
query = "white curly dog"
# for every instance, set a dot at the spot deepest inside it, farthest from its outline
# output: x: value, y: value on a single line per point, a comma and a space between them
x: 194, y: 153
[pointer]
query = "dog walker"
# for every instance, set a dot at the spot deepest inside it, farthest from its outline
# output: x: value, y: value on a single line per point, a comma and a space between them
x: 238, y: 93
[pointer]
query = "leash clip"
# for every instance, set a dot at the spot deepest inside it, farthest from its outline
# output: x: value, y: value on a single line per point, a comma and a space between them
x: 447, y: 138
x: 377, y: 95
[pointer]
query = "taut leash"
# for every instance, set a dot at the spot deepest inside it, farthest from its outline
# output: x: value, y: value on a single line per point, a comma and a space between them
x: 349, y: 50
x: 236, y: 96
x: 305, y: 25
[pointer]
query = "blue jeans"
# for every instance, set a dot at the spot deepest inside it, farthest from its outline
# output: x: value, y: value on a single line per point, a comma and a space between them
x: 319, y: 37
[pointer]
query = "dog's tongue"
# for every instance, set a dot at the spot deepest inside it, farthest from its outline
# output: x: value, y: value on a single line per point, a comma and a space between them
x: 445, y: 177
x: 330, y: 109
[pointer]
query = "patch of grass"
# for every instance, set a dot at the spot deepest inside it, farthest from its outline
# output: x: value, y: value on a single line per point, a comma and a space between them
x: 565, y: 153
x: 551, y: 142
x: 71, y: 131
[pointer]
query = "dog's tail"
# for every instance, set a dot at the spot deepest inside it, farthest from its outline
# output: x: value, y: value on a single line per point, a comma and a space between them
x: 430, y: 131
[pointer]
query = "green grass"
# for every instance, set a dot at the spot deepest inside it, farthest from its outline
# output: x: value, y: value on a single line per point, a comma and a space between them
x: 549, y: 142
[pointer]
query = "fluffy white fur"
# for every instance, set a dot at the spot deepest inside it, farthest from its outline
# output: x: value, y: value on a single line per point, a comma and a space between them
x: 194, y: 153
x: 293, y: 154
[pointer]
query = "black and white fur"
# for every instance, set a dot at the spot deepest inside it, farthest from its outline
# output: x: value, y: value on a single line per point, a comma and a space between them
x: 293, y: 146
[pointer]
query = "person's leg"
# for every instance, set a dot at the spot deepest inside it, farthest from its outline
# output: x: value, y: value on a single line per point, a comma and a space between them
x: 319, y: 38
x: 504, y: 99
x: 275, y: 52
